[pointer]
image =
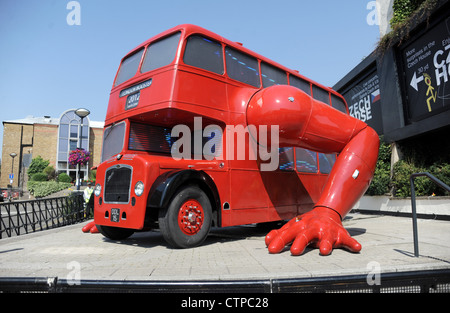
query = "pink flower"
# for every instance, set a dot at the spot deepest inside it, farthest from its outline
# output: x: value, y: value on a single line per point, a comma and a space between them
x: 79, y: 156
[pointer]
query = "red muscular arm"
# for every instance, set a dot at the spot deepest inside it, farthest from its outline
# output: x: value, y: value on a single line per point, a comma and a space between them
x: 310, y: 124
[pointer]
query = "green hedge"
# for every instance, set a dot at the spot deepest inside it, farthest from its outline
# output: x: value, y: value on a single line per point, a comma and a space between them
x: 423, y: 185
x: 64, y: 178
x: 45, y: 188
x: 399, y: 184
x: 381, y: 181
x: 39, y: 177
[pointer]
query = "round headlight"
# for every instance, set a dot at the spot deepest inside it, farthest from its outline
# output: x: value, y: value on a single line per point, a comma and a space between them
x: 139, y: 188
x: 97, y: 190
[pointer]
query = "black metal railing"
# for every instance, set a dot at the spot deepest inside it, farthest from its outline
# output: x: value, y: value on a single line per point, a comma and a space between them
x: 23, y: 217
x: 430, y: 281
x: 413, y: 204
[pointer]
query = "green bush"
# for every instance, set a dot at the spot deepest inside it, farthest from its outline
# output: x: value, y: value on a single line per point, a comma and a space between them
x: 382, y: 177
x: 441, y: 172
x: 37, y: 165
x: 43, y: 189
x: 50, y: 172
x: 64, y: 178
x: 415, y: 161
x: 422, y: 185
x: 39, y: 177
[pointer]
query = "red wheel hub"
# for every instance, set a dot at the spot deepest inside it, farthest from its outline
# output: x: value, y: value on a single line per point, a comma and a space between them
x: 191, y: 217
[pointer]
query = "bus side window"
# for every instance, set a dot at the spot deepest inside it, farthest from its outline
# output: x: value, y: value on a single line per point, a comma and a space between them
x: 338, y: 103
x: 272, y: 76
x: 300, y: 84
x: 321, y: 95
x: 286, y: 161
x: 204, y: 53
x: 326, y: 162
x: 306, y: 160
x: 242, y: 67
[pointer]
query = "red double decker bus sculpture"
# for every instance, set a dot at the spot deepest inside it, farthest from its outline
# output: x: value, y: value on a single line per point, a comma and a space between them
x: 202, y: 132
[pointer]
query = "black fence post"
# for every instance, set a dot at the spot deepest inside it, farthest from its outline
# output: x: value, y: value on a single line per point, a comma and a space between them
x: 413, y: 204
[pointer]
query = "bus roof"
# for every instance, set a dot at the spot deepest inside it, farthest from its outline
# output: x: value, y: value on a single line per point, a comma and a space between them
x: 189, y: 29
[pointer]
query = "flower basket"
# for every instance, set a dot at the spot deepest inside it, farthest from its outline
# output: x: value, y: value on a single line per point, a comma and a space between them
x: 79, y: 156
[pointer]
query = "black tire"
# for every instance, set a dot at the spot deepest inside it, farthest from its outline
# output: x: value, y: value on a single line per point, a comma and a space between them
x: 115, y: 233
x: 186, y: 222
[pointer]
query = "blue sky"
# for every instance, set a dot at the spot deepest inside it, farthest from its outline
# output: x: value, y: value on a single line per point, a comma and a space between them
x: 48, y: 66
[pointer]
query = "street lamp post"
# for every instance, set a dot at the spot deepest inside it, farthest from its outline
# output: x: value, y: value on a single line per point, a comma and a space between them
x: 12, y: 155
x: 82, y: 113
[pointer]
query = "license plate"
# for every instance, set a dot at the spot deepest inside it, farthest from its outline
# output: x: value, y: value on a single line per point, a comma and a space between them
x: 115, y: 215
x: 132, y: 100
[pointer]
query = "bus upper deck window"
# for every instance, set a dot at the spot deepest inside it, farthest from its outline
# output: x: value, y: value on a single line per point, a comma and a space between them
x: 160, y: 53
x: 338, y: 103
x: 129, y: 67
x: 300, y: 84
x: 321, y: 94
x: 272, y: 75
x: 204, y: 53
x: 242, y: 67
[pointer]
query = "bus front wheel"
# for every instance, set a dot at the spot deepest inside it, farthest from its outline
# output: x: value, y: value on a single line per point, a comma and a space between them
x: 186, y: 222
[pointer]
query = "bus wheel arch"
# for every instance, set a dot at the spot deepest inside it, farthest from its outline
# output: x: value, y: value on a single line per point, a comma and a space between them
x: 168, y: 186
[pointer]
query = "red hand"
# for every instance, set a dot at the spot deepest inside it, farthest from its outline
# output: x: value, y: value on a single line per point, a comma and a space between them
x: 321, y: 227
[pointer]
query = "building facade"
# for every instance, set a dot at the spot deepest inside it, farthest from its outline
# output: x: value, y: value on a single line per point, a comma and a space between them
x: 50, y: 138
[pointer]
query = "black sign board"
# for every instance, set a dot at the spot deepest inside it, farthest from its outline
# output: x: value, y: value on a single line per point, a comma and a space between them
x: 363, y: 99
x: 426, y: 70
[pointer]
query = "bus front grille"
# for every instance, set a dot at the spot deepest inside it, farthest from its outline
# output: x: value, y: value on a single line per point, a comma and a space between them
x: 117, y: 184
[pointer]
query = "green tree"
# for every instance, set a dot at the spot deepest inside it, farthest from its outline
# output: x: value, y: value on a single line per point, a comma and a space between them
x: 37, y: 165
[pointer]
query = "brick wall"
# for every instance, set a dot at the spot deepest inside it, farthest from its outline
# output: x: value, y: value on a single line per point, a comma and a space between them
x: 12, y: 134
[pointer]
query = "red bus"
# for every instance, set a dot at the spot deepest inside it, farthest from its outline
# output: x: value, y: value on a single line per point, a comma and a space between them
x: 173, y: 79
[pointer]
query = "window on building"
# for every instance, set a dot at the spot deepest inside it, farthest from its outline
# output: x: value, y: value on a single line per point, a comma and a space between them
x: 204, y: 53
x: 70, y: 130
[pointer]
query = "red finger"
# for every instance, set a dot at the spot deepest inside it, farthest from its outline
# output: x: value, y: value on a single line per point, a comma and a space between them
x: 282, y: 239
x: 270, y: 236
x: 277, y: 245
x: 301, y: 241
x: 326, y: 245
x: 349, y: 243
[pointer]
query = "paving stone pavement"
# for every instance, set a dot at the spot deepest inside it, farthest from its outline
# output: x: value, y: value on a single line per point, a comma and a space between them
x: 235, y: 253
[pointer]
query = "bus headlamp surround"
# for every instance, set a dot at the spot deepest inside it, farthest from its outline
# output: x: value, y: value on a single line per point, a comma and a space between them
x: 139, y: 188
x: 97, y: 190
